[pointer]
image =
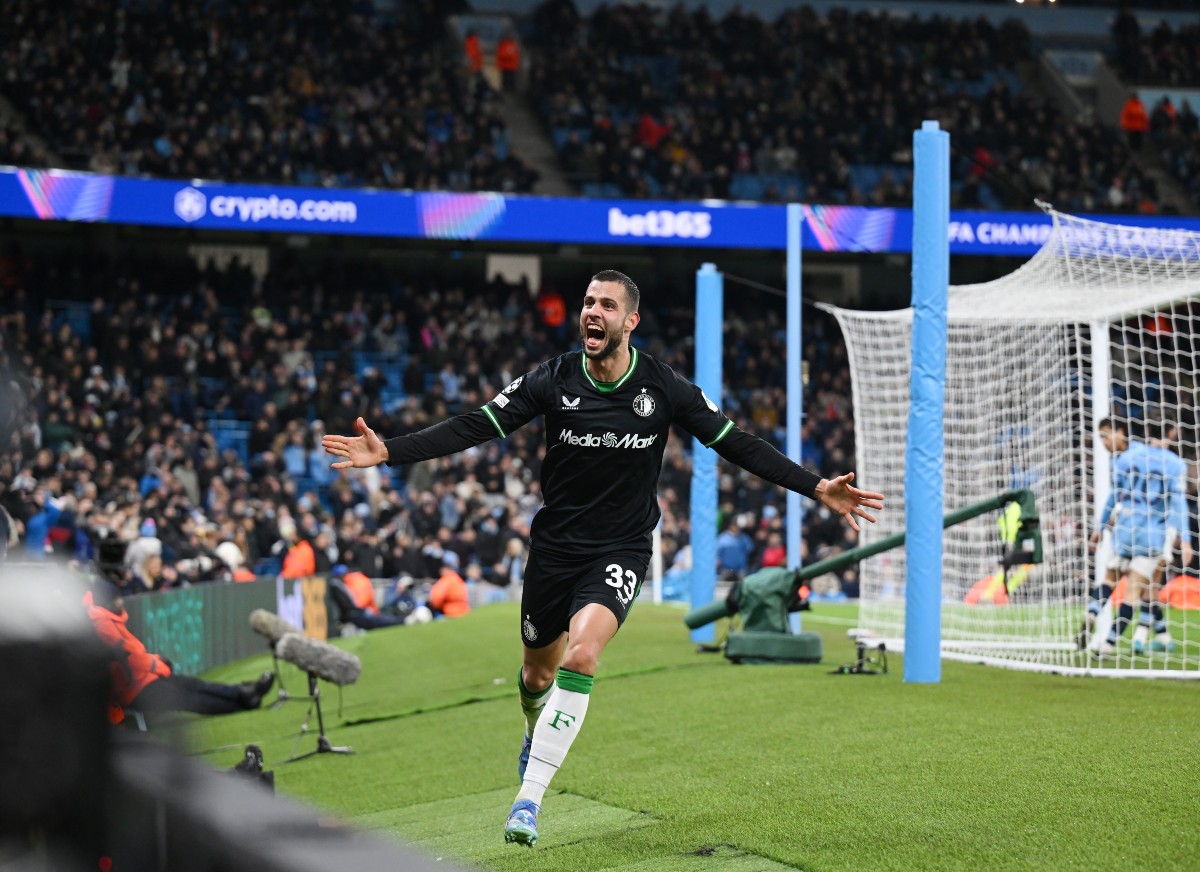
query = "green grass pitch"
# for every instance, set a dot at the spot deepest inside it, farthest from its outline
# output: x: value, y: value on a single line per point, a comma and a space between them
x: 688, y: 762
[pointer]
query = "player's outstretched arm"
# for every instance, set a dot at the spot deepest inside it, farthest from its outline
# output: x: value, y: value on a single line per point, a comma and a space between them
x: 764, y: 460
x: 847, y: 500
x: 361, y: 451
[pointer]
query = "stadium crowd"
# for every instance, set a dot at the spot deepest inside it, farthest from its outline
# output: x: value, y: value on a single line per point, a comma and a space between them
x: 1164, y: 57
x: 643, y: 101
x: 1175, y: 132
x: 131, y: 397
x: 640, y: 101
x: 335, y: 93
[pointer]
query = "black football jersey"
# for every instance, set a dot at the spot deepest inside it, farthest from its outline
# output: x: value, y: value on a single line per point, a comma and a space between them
x: 604, y: 445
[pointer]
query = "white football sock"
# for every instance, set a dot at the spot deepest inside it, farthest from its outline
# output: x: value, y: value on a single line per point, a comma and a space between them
x: 556, y: 729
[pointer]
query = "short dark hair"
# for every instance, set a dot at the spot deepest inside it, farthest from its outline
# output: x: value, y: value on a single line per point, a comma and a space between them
x: 1111, y: 424
x: 632, y: 295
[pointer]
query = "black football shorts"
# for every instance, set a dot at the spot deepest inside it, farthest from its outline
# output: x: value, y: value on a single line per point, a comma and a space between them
x: 555, y: 589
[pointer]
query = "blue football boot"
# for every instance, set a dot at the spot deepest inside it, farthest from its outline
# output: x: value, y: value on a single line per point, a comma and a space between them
x: 521, y: 826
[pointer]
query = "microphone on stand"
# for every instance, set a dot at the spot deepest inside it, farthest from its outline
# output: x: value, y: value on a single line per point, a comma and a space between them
x: 319, y: 660
x: 273, y: 628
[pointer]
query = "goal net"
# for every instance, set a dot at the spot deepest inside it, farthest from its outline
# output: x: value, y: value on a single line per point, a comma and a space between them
x: 1104, y: 321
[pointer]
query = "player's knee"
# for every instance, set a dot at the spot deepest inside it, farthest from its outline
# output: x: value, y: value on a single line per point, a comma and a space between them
x: 537, y: 677
x: 582, y: 657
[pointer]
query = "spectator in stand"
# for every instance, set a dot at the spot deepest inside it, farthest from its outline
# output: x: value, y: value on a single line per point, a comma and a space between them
x: 553, y: 310
x: 354, y: 595
x: 775, y: 554
x: 1164, y: 119
x: 38, y: 526
x: 508, y: 60
x: 509, y: 571
x: 328, y: 94
x: 449, y: 595
x: 734, y: 549
x: 773, y: 110
x: 144, y: 565
x: 1134, y: 121
x: 299, y: 559
x: 474, y: 52
x: 231, y: 555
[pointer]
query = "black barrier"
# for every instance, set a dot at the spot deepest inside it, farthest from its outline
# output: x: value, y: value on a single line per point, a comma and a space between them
x: 181, y: 816
x: 77, y: 794
x: 208, y: 625
x: 54, y: 748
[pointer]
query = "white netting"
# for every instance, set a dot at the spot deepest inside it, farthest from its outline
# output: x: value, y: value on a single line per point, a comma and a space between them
x: 1024, y: 388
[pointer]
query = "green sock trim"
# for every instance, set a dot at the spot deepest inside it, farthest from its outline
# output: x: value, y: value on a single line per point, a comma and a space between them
x: 576, y: 682
x: 526, y: 692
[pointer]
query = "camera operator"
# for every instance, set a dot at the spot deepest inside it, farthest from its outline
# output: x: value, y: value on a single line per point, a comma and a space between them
x: 147, y: 681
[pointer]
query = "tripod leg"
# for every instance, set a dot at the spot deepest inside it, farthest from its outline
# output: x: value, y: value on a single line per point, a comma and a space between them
x: 323, y: 744
x: 281, y: 694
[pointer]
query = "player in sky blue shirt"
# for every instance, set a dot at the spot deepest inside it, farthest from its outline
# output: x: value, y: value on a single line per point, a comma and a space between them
x: 1149, y: 488
x: 1148, y: 483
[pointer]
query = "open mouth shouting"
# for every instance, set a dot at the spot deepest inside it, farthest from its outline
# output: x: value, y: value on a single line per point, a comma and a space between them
x: 593, y: 338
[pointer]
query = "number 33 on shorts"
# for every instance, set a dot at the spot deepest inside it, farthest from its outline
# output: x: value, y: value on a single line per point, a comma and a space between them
x: 624, y: 580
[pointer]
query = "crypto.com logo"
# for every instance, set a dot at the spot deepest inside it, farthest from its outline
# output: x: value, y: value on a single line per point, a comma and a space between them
x: 190, y: 205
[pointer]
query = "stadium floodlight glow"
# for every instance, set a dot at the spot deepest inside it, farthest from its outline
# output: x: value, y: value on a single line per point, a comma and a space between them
x: 1103, y: 321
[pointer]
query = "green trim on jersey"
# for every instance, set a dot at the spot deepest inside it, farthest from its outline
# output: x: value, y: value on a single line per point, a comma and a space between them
x: 724, y: 432
x: 609, y: 387
x: 492, y: 417
x: 574, y: 681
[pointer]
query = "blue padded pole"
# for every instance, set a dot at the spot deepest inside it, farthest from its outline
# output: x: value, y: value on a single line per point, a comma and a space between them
x: 924, y: 458
x: 795, y: 389
x: 710, y: 308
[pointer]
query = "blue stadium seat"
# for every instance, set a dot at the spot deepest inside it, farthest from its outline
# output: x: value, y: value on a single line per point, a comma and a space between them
x: 238, y: 440
x: 746, y: 186
x: 392, y: 399
x: 601, y: 189
x: 268, y: 566
x: 75, y: 313
x: 500, y: 143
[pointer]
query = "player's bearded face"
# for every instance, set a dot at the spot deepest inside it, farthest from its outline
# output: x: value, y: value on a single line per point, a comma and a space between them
x: 602, y: 331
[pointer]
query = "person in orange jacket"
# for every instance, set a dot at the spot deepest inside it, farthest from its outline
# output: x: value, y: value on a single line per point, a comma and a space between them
x: 299, y: 561
x: 1134, y: 120
x: 474, y: 51
x: 508, y: 60
x: 354, y: 595
x: 448, y: 595
x: 148, y: 682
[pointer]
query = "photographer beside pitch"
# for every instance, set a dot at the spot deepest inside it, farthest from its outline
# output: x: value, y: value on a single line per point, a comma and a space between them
x: 608, y: 410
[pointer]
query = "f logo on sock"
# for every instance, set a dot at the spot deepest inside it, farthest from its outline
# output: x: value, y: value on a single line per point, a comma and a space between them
x: 565, y: 718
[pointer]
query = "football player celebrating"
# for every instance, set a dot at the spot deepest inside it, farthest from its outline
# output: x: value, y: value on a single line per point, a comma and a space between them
x: 608, y: 411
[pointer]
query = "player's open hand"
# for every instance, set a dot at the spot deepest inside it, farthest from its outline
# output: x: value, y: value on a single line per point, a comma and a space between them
x: 847, y: 500
x: 361, y: 451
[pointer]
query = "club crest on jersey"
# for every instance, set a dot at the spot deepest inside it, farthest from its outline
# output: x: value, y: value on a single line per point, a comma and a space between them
x: 711, y: 405
x: 529, y: 630
x: 516, y: 384
x: 643, y: 404
x: 570, y: 405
